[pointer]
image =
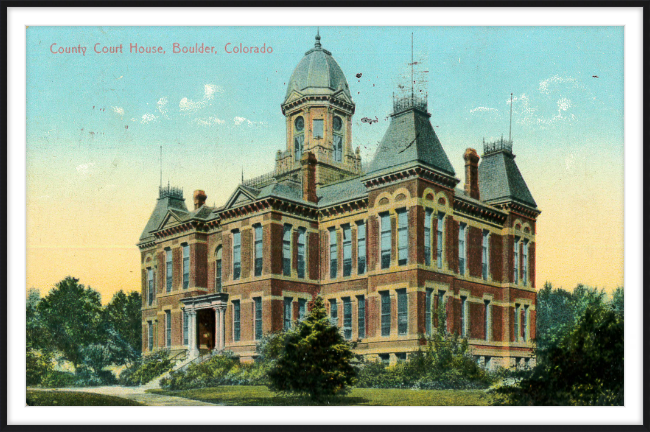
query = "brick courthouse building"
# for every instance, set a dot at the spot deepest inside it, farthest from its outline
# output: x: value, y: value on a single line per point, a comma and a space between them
x: 383, y: 245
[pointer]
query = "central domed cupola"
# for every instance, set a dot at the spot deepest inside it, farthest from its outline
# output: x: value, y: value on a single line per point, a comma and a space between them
x: 318, y: 107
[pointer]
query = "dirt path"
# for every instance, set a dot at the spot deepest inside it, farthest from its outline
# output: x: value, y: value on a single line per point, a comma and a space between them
x: 135, y: 393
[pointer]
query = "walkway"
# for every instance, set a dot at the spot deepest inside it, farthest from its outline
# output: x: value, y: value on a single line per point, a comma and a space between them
x: 135, y: 393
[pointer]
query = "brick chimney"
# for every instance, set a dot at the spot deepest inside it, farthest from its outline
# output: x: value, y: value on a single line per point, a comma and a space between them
x: 199, y: 199
x: 471, y: 173
x: 308, y: 162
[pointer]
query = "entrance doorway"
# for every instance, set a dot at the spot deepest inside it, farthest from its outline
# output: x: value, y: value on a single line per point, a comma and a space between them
x: 206, y: 329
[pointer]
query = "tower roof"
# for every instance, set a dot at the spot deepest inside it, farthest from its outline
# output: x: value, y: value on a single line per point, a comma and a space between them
x: 499, y: 177
x: 410, y: 138
x: 168, y: 198
x: 318, y: 73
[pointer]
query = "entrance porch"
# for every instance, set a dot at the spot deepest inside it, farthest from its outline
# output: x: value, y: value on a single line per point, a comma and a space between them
x: 206, y: 323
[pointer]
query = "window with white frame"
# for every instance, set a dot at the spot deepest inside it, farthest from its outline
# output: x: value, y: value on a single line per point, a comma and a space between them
x: 334, y: 312
x: 488, y: 320
x: 440, y: 240
x: 186, y: 328
x: 150, y: 335
x: 286, y: 250
x: 302, y: 263
x: 287, y: 312
x: 236, y: 255
x: 347, y: 318
x: 236, y: 320
x: 217, y: 270
x: 168, y: 328
x: 150, y: 292
x: 385, y: 313
x: 516, y: 255
x: 427, y: 236
x: 169, y: 273
x: 442, y: 311
x: 257, y: 301
x: 524, y: 277
x: 462, y: 251
x: 525, y: 320
x: 464, y: 325
x: 361, y: 247
x: 258, y: 232
x: 186, y: 266
x: 517, y: 320
x: 402, y: 312
x: 302, y: 309
x: 385, y: 240
x: 347, y: 250
x: 333, y: 253
x: 428, y: 305
x: 361, y: 316
x: 402, y: 237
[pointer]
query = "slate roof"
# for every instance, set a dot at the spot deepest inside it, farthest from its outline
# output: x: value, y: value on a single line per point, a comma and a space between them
x: 159, y: 213
x: 340, y: 192
x: 499, y: 179
x: 410, y: 139
x: 318, y: 73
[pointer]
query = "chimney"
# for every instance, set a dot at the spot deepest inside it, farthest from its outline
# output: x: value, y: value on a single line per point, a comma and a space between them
x: 308, y: 162
x: 471, y: 173
x: 199, y: 199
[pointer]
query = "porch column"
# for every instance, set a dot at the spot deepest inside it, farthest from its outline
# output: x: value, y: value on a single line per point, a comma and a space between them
x: 193, y: 350
x: 222, y: 332
x: 217, y: 329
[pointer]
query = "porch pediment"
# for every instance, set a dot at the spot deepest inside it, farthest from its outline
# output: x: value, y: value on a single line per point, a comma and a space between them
x: 206, y: 301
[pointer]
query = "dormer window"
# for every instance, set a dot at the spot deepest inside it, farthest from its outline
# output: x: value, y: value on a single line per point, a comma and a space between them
x: 318, y: 129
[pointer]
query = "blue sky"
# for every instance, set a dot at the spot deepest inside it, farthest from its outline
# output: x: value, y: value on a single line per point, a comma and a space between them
x: 96, y: 122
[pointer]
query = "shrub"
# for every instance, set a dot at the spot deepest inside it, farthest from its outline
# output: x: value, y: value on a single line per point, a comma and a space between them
x: 86, y: 377
x: 146, y: 369
x: 38, y: 367
x: 223, y: 369
x: 315, y: 359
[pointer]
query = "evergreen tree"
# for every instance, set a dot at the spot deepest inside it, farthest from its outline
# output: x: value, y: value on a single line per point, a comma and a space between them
x: 316, y: 360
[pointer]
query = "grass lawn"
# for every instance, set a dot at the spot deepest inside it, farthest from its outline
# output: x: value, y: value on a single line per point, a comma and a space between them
x: 260, y: 395
x: 71, y: 398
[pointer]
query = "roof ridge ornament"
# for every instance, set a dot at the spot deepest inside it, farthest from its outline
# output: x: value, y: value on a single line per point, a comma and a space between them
x: 317, y: 45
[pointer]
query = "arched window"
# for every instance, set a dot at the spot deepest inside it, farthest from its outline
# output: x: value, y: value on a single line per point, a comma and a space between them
x: 299, y: 137
x: 217, y: 271
x: 337, y: 141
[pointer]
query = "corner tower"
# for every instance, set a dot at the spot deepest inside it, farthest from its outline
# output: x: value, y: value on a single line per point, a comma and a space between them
x: 318, y: 108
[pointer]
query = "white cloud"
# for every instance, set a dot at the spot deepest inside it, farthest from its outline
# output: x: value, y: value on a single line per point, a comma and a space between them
x: 119, y: 111
x: 484, y: 109
x: 189, y: 106
x: 162, y: 106
x: 85, y: 169
x: 240, y: 120
x: 148, y: 118
x: 208, y: 121
x: 556, y: 79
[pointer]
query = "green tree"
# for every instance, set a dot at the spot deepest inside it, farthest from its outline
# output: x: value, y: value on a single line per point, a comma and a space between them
x: 315, y: 360
x: 72, y: 314
x: 123, y: 314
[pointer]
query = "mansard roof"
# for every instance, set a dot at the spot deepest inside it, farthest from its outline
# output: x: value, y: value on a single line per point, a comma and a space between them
x: 342, y: 191
x: 500, y: 180
x: 410, y: 140
x: 168, y: 200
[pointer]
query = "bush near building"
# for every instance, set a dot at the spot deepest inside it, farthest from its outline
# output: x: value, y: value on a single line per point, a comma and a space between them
x: 146, y: 369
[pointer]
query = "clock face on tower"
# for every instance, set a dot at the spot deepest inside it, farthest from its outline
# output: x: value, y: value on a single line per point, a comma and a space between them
x: 337, y: 123
x: 300, y: 124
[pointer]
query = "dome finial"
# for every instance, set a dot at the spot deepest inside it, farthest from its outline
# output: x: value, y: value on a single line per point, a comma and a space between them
x: 317, y: 44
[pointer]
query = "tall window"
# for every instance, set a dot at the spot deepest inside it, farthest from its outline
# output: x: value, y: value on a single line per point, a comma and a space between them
x: 525, y: 323
x: 402, y: 237
x: 150, y: 285
x: 286, y: 250
x: 488, y: 320
x: 442, y: 311
x: 186, y: 266
x: 302, y: 309
x: 236, y: 255
x: 361, y: 247
x: 462, y: 254
x: 347, y: 318
x: 463, y: 316
x: 385, y: 240
x: 427, y: 236
x: 486, y: 254
x: 428, y: 304
x: 302, y: 236
x: 168, y: 265
x: 338, y: 148
x: 517, y: 319
x: 287, y: 312
x: 385, y: 313
x: 402, y: 312
x: 516, y: 254
x: 347, y: 250
x: 168, y: 328
x: 361, y: 317
x: 217, y: 271
x: 186, y: 329
x: 257, y: 301
x: 524, y: 277
x: 334, y: 312
x: 333, y: 253
x: 259, y: 249
x: 236, y: 320
x: 440, y: 239
x: 150, y: 335
x: 298, y: 145
x: 318, y: 128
